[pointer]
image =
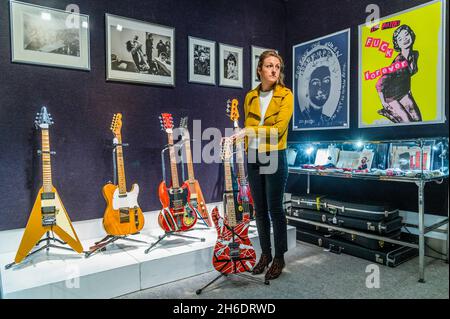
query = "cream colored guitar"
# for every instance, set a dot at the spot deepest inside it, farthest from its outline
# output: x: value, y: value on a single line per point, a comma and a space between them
x: 48, y: 213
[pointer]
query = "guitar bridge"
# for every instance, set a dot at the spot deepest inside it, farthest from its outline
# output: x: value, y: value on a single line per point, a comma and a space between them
x: 48, y: 216
x: 124, y: 215
x: 234, y: 250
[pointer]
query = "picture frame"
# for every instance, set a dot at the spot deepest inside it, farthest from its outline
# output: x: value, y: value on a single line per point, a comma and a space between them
x: 202, y: 61
x: 49, y: 37
x: 139, y: 51
x: 393, y: 93
x: 321, y: 83
x: 231, y: 69
x: 256, y: 52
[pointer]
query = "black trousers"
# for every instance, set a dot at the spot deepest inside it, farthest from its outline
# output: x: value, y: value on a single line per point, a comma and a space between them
x: 267, y: 189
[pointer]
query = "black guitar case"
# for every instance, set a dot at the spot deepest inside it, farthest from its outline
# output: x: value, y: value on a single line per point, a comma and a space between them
x: 358, y: 240
x: 372, y: 211
x: 382, y: 227
x: 389, y: 256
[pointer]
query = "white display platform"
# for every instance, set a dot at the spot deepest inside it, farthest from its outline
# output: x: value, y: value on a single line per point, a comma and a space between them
x: 121, y: 269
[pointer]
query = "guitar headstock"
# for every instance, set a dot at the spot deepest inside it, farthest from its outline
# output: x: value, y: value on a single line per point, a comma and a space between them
x: 43, y: 119
x: 233, y: 110
x: 226, y: 151
x: 116, y: 124
x: 184, y: 123
x: 166, y: 121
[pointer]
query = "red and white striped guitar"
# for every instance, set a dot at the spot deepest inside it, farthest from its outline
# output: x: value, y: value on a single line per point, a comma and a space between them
x: 233, y: 252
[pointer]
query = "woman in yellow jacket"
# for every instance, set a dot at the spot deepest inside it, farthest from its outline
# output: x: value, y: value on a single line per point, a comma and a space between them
x: 268, y: 110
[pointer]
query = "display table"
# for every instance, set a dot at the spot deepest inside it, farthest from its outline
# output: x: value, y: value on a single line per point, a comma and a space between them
x: 422, y: 229
x: 123, y: 268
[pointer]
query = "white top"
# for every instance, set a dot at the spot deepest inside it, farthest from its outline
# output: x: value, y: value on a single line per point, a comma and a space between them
x: 264, y: 101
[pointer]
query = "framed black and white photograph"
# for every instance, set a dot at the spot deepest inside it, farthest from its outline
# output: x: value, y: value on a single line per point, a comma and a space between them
x: 139, y: 52
x: 202, y: 61
x: 47, y: 36
x: 256, y: 52
x: 230, y: 66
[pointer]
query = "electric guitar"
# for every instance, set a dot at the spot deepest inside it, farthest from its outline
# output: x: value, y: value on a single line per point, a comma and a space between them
x: 197, y: 201
x: 177, y: 214
x: 233, y: 252
x: 123, y: 216
x: 48, y: 213
x: 244, y: 195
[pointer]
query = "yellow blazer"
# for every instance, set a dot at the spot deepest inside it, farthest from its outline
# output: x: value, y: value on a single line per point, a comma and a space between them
x: 277, y: 118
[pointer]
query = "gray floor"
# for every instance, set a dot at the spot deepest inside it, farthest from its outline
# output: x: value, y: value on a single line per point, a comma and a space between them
x: 312, y: 273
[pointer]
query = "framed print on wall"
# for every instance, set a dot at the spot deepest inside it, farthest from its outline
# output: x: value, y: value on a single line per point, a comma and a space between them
x: 47, y: 36
x: 321, y: 83
x: 230, y: 66
x: 401, y: 68
x: 202, y: 61
x: 256, y: 52
x: 139, y: 52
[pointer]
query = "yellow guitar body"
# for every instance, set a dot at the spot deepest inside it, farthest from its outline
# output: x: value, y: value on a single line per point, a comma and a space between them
x: 35, y: 230
x: 123, y: 216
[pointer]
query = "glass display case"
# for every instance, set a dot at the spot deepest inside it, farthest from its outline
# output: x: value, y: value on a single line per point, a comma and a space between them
x: 413, y: 159
x: 418, y: 161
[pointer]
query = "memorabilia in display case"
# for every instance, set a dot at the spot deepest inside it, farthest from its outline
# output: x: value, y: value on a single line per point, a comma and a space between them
x: 419, y: 161
x: 421, y: 158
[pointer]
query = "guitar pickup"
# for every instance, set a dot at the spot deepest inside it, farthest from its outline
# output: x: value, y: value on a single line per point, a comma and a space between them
x: 48, y: 216
x: 45, y: 196
x: 124, y: 216
x: 234, y: 250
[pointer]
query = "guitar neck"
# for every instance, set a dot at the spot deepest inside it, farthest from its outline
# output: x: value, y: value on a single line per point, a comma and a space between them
x: 230, y: 208
x: 173, y: 162
x: 239, y: 155
x: 121, y: 167
x: 46, y: 162
x: 187, y: 147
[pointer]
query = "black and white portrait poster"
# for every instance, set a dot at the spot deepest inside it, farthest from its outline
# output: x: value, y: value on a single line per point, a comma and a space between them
x: 231, y: 66
x: 202, y: 63
x: 321, y: 83
x: 138, y: 51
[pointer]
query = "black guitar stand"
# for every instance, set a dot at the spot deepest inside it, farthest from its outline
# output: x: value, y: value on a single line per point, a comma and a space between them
x: 180, y: 146
x: 48, y: 239
x: 172, y: 233
x: 110, y: 239
x: 241, y: 275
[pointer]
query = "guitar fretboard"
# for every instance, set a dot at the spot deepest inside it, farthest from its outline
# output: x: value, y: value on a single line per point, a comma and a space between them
x: 240, y: 159
x: 173, y: 162
x: 190, y: 165
x: 120, y: 167
x: 46, y: 162
x: 230, y: 208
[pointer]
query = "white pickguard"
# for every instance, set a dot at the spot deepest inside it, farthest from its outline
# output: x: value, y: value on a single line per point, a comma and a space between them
x: 128, y: 201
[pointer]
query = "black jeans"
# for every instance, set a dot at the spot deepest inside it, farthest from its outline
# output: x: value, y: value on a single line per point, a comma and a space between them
x: 267, y: 190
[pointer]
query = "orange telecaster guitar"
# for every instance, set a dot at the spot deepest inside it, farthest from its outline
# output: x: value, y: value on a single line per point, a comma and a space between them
x: 177, y: 214
x: 123, y: 216
x: 48, y: 213
x: 197, y: 200
x: 244, y: 196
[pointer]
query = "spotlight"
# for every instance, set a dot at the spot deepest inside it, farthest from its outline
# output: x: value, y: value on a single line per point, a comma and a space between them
x: 119, y: 28
x: 309, y: 150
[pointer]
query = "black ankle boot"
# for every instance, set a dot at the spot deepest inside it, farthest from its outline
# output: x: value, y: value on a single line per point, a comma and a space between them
x: 263, y: 262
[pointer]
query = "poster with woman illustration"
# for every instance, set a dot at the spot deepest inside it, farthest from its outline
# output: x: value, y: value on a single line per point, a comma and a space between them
x: 401, y: 70
x: 321, y: 83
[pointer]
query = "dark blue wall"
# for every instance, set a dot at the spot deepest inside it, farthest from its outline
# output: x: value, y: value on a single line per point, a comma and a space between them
x: 307, y: 20
x: 82, y: 104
